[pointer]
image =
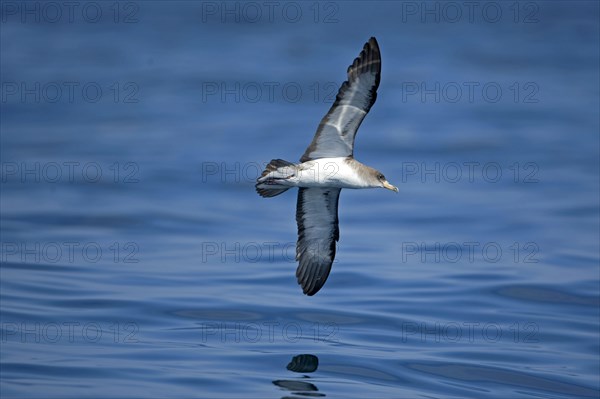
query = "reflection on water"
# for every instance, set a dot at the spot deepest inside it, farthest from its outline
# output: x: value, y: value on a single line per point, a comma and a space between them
x: 301, y: 364
x: 304, y: 364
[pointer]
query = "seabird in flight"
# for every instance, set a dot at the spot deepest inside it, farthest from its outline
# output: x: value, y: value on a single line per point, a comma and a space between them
x: 327, y: 166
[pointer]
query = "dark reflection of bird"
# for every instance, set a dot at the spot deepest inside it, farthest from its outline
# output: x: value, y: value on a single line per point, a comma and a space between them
x: 304, y: 364
x: 301, y: 364
x: 292, y: 385
x: 327, y: 166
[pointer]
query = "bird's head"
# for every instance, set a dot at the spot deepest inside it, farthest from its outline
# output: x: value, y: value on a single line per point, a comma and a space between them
x: 382, y: 182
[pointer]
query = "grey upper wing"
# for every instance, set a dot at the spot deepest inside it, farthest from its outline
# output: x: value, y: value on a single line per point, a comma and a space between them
x: 318, y: 231
x: 336, y: 132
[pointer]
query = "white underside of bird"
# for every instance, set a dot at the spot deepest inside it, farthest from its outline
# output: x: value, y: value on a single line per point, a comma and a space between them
x: 338, y: 172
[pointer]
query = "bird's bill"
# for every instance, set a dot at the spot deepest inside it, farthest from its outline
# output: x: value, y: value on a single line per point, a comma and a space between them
x: 389, y: 186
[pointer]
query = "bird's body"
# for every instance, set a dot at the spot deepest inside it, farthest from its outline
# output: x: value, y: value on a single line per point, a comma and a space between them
x: 328, y: 166
x: 339, y: 172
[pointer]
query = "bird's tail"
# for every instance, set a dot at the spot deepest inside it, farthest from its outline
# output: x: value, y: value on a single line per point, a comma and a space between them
x: 276, y: 172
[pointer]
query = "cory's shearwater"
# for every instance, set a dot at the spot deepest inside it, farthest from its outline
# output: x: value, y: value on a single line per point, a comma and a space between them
x: 327, y: 166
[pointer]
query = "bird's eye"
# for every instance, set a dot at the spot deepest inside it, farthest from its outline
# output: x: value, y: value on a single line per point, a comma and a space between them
x: 380, y: 177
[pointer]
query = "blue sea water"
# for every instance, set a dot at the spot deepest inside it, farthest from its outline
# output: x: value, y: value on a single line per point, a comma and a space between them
x: 138, y: 261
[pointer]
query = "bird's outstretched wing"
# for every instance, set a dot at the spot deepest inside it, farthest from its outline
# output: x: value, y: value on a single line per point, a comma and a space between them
x: 318, y: 231
x: 336, y: 132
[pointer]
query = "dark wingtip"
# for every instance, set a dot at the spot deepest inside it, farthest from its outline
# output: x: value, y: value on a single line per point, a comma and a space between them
x: 369, y: 60
x: 373, y: 43
x: 310, y: 292
x: 309, y: 278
